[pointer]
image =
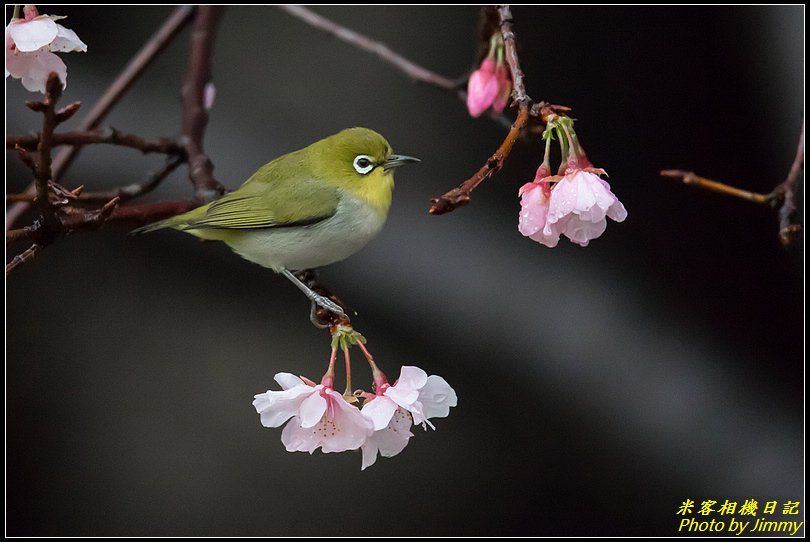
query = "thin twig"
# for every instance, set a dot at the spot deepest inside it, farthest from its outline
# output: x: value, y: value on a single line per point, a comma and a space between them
x: 106, y: 135
x: 688, y: 177
x: 411, y: 69
x: 783, y: 194
x: 156, y: 43
x: 23, y: 257
x: 134, y: 190
x: 786, y: 190
x: 150, y: 212
x: 195, y: 115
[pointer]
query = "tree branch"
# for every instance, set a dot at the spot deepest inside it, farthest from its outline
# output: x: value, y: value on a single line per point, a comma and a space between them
x: 53, y: 91
x: 688, y: 177
x: 107, y: 135
x: 156, y: 43
x: 319, y: 316
x: 90, y: 219
x: 461, y: 195
x: 195, y: 115
x: 382, y: 51
x: 784, y: 193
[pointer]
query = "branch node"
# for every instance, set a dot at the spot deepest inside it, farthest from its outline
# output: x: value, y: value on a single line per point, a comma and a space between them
x: 66, y: 112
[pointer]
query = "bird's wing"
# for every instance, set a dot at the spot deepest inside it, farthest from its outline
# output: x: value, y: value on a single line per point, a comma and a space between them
x: 275, y: 204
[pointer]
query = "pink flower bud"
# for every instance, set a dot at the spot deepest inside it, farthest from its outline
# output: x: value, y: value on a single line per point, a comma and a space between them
x: 504, y: 88
x: 482, y: 88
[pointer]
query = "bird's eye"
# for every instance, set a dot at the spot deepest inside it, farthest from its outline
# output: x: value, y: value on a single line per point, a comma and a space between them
x: 363, y: 164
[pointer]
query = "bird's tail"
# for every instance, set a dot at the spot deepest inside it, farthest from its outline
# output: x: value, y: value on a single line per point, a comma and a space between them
x: 171, y: 222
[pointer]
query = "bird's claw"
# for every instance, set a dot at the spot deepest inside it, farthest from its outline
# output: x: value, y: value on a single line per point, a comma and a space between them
x: 329, y: 305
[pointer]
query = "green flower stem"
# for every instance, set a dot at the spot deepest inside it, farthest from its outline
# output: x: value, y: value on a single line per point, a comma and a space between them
x: 349, y: 391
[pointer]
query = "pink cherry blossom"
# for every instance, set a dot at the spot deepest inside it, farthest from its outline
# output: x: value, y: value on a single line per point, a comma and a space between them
x: 414, y: 398
x: 534, y: 200
x: 390, y: 440
x: 319, y: 417
x: 414, y: 391
x: 30, y: 46
x: 482, y: 88
x: 577, y: 206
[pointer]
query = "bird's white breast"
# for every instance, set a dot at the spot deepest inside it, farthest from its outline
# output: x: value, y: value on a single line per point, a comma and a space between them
x: 353, y: 225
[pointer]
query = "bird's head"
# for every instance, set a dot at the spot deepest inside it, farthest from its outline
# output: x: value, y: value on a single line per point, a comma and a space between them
x: 360, y: 162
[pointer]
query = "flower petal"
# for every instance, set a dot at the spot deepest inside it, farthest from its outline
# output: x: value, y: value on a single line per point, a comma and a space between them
x: 34, y: 68
x: 582, y: 231
x: 276, y: 407
x: 312, y: 409
x: 411, y: 377
x: 288, y: 380
x: 32, y: 35
x: 67, y: 41
x: 369, y: 449
x: 388, y: 441
x: 504, y: 89
x: 379, y: 410
x: 393, y: 439
x: 533, y: 209
x: 299, y: 439
x: 482, y: 88
x: 437, y: 397
x: 347, y: 430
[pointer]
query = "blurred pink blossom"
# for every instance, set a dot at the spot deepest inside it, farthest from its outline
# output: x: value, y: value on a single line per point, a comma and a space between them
x: 30, y: 46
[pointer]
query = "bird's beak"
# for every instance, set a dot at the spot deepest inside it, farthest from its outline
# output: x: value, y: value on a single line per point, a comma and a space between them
x: 396, y: 160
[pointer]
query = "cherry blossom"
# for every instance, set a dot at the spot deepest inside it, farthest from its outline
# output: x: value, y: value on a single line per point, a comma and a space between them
x: 414, y: 398
x: 390, y: 440
x: 319, y: 417
x: 579, y: 206
x: 30, y: 46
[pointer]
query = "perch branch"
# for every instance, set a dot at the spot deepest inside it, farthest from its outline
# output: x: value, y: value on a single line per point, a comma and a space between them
x: 321, y: 317
x: 195, y: 115
x: 89, y: 219
x: 156, y: 43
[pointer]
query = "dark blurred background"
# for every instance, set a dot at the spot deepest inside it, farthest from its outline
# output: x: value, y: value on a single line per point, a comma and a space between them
x: 598, y: 388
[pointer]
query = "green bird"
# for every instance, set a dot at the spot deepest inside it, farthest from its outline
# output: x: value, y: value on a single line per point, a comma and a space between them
x: 305, y: 209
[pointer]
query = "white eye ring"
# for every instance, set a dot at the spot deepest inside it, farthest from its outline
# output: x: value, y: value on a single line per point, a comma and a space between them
x: 363, y: 164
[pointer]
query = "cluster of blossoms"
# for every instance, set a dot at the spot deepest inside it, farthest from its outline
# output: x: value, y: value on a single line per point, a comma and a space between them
x: 31, y: 42
x: 491, y: 83
x: 576, y: 202
x: 319, y: 417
